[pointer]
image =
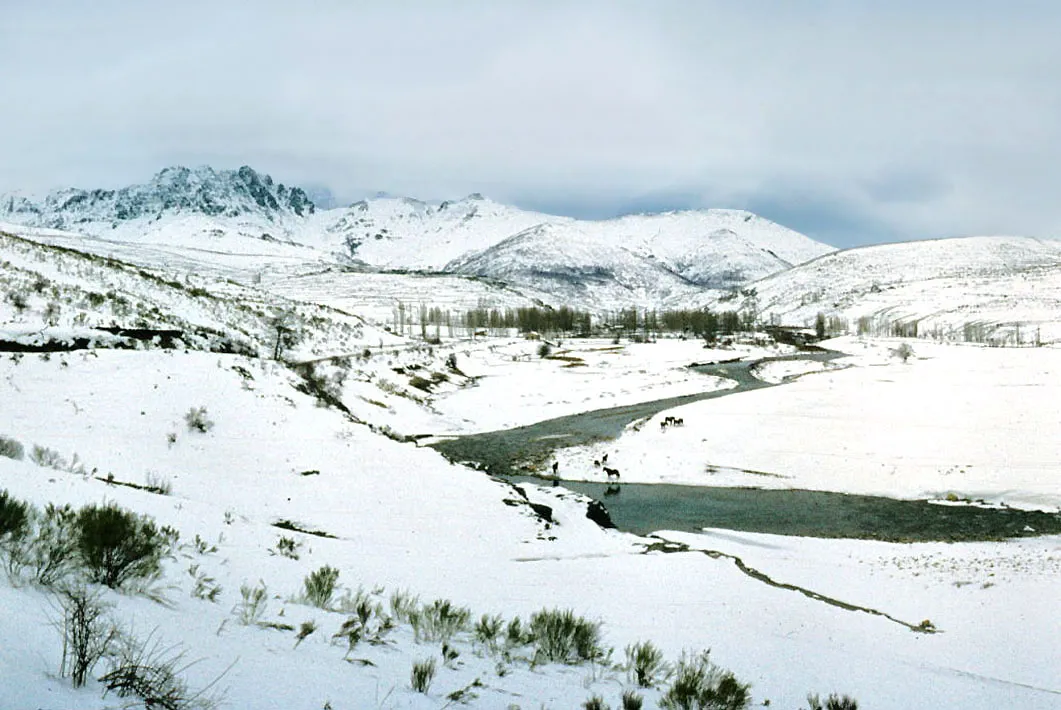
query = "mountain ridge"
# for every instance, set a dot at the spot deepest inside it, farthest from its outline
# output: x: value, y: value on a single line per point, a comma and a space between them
x: 671, y: 255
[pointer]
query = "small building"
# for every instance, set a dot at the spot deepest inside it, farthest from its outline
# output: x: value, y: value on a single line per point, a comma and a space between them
x: 532, y: 335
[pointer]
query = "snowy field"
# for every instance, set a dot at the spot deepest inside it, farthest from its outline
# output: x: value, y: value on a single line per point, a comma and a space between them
x: 804, y: 615
x: 515, y: 386
x: 406, y: 519
x: 958, y: 421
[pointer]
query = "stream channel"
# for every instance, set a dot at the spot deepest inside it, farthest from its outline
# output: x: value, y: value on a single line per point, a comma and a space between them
x: 643, y: 508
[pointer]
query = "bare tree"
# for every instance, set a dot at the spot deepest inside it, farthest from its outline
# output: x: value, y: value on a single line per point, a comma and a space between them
x: 285, y: 327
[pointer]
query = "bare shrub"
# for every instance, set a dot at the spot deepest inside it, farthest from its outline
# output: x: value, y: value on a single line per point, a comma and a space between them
x: 153, y: 673
x: 11, y: 448
x: 903, y: 352
x: 88, y: 635
x: 197, y: 420
x: 404, y: 604
x: 51, y: 552
x: 48, y: 458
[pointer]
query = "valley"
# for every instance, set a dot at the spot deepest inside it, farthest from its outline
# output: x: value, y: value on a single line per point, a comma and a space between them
x: 304, y: 417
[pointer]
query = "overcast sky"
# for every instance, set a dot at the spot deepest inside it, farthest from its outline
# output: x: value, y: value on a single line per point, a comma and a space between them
x: 853, y: 122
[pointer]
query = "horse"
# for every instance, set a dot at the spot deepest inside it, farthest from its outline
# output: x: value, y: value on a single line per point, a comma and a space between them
x: 612, y: 473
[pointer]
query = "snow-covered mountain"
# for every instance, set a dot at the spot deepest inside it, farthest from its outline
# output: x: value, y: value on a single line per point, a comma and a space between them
x: 642, y: 260
x: 999, y: 283
x: 581, y: 268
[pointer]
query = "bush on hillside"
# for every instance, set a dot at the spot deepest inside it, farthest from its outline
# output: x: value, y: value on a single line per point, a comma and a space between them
x: 701, y: 685
x: 12, y: 449
x: 51, y: 550
x: 561, y: 637
x: 116, y: 545
x: 197, y: 420
x: 15, y: 517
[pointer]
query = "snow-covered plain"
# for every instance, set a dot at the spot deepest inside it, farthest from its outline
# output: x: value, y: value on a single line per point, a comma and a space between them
x: 404, y: 518
x: 958, y: 421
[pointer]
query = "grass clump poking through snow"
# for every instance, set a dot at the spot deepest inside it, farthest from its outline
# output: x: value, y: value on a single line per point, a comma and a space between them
x: 152, y: 672
x: 560, y: 636
x: 596, y: 703
x: 440, y: 620
x: 701, y: 685
x: 48, y: 458
x: 632, y: 700
x: 422, y: 675
x: 318, y: 587
x: 645, y: 664
x: 11, y: 448
x: 487, y: 630
x: 833, y: 702
x: 404, y: 604
x: 116, y: 545
x: 251, y: 606
x: 197, y: 420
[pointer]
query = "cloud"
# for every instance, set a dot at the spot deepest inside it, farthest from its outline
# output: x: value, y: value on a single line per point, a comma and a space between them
x: 901, y: 119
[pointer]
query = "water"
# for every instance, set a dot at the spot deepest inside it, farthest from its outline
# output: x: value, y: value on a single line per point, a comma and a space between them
x: 644, y: 508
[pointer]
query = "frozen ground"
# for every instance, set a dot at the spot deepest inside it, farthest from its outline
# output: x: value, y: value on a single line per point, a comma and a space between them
x: 958, y: 421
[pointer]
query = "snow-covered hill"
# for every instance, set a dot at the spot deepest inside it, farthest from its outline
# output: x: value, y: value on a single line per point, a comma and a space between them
x: 713, y: 248
x: 995, y: 286
x: 577, y: 267
x: 639, y: 260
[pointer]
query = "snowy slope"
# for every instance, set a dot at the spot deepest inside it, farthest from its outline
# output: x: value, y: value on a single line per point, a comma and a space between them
x: 714, y: 248
x: 410, y: 234
x: 942, y: 285
x: 577, y: 268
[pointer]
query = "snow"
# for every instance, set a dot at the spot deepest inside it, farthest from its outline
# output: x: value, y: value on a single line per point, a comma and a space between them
x: 975, y: 422
x: 515, y: 386
x: 1007, y: 287
x: 241, y: 225
x: 970, y: 422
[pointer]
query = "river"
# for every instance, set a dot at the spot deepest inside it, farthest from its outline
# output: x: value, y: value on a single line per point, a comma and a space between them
x: 643, y: 508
